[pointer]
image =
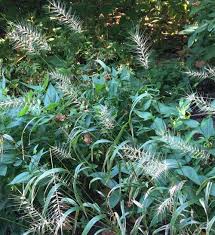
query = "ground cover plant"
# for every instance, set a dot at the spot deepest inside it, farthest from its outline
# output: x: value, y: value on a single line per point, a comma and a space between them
x: 89, y: 146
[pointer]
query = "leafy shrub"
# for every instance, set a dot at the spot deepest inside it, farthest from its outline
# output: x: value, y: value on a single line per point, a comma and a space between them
x: 201, y: 32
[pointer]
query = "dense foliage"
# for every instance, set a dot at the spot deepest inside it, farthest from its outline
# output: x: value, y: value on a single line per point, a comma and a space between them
x: 99, y: 134
x: 201, y: 30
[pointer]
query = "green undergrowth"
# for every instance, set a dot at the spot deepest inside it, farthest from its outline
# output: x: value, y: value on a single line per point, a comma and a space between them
x: 91, y: 147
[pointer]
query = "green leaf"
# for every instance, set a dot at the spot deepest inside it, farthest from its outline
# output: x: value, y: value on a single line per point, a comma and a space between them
x: 8, y: 158
x: 3, y: 170
x: 167, y: 110
x: 21, y: 178
x: 56, y: 61
x: 49, y: 173
x: 191, y: 40
x: 191, y: 123
x: 144, y: 115
x: 207, y: 127
x: 190, y: 173
x: 99, y: 84
x: 211, y: 173
x: 91, y: 223
x: 114, y: 198
x: 201, y: 28
x: 103, y: 65
x: 159, y: 126
x: 8, y: 137
x: 52, y: 106
x: 212, y: 191
x: 51, y: 96
x: 113, y: 88
x: 125, y: 74
x: 189, y: 30
x: 147, y: 104
x: 24, y: 110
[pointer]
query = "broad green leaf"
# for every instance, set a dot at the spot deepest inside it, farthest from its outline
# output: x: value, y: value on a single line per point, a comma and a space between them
x: 56, y: 61
x: 51, y: 96
x: 113, y: 88
x: 191, y: 123
x: 21, y: 178
x: 99, y: 84
x: 190, y: 173
x: 125, y: 74
x: 24, y: 110
x: 167, y: 110
x: 144, y: 115
x: 8, y: 158
x: 159, y: 126
x: 207, y: 127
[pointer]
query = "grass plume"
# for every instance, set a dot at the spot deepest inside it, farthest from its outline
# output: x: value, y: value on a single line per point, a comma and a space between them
x: 60, y: 13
